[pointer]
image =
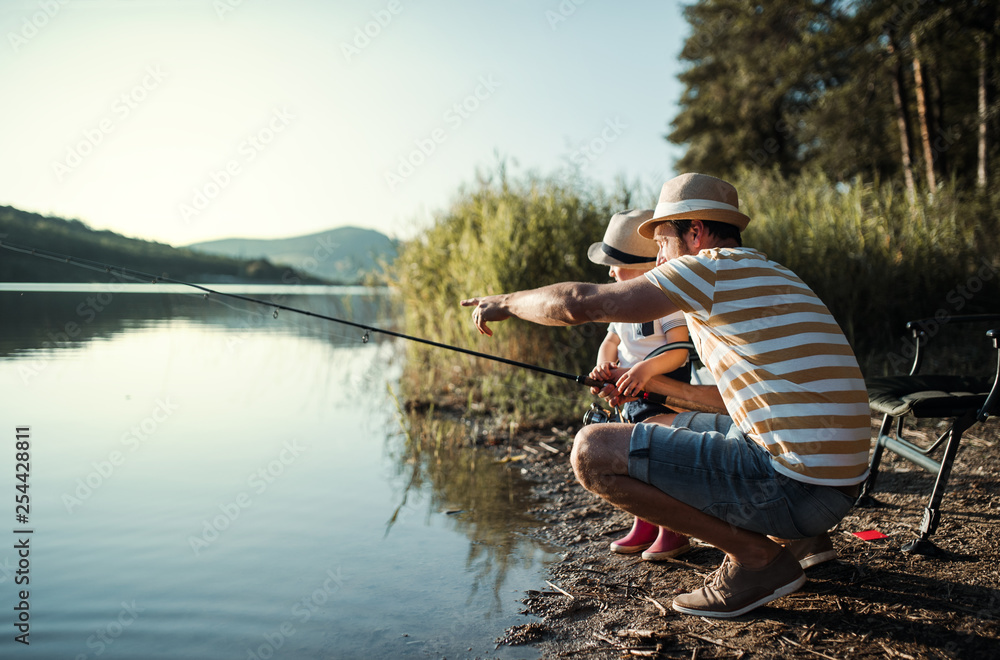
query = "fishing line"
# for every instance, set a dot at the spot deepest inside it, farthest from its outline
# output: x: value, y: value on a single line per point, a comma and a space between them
x: 142, y: 277
x: 348, y: 339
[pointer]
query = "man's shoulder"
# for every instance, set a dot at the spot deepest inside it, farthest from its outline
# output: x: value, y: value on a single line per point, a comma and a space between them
x: 715, y: 259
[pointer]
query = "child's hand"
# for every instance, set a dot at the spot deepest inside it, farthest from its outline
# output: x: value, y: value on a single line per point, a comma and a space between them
x: 633, y: 381
x: 606, y: 372
x: 603, y: 372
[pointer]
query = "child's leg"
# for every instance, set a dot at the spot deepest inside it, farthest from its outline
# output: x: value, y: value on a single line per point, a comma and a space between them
x: 668, y: 544
x: 643, y: 534
x: 638, y: 539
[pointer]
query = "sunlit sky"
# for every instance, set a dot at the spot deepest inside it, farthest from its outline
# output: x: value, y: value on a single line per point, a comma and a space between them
x: 190, y: 120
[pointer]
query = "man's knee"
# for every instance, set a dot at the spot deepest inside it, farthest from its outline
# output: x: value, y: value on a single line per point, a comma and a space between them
x: 580, y: 457
x: 600, y: 451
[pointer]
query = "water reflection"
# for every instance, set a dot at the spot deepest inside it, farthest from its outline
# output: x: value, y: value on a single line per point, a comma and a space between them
x: 243, y: 387
x: 484, y: 499
x: 40, y: 319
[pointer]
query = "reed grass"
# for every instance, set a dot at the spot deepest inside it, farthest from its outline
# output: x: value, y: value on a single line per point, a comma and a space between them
x: 875, y: 259
x: 502, y: 236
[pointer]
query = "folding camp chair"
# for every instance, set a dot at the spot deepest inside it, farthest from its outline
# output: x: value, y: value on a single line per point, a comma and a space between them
x: 962, y: 399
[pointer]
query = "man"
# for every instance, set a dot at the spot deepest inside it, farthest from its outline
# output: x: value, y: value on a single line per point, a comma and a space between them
x: 787, y: 460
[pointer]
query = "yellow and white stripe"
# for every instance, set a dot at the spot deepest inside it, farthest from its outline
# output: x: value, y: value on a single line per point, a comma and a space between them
x: 784, y: 367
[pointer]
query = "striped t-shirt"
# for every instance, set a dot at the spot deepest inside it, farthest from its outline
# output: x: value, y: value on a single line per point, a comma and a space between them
x: 784, y: 367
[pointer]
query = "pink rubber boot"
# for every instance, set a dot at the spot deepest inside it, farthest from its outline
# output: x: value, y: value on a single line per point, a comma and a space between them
x: 667, y: 545
x: 638, y: 539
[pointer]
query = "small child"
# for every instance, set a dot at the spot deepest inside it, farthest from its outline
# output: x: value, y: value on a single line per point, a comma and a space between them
x: 628, y: 345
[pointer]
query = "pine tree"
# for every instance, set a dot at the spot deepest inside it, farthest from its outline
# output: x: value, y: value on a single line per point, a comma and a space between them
x: 750, y: 82
x: 871, y: 88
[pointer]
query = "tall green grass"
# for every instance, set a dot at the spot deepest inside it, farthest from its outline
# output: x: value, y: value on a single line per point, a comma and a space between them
x: 874, y: 258
x: 502, y: 236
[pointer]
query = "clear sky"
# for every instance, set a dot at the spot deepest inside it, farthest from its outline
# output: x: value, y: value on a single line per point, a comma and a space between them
x: 190, y: 120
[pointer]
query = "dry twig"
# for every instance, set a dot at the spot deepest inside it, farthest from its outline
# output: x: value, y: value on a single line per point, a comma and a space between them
x: 662, y: 609
x: 809, y: 650
x: 679, y: 561
x: 636, y: 633
x: 560, y: 590
x: 604, y: 639
x: 717, y: 642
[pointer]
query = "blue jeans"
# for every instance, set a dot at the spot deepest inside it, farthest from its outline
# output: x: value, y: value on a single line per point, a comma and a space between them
x: 707, y: 462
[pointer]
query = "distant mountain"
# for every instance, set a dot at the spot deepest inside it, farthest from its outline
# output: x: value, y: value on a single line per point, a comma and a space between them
x: 73, y: 238
x: 344, y: 254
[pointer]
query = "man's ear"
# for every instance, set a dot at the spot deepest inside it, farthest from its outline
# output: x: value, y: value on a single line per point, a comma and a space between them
x: 697, y: 235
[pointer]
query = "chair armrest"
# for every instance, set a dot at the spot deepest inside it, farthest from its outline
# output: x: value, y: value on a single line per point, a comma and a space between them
x: 993, y: 400
x: 932, y: 324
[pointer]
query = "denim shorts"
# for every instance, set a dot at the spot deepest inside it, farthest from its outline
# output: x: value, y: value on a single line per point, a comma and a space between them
x: 707, y: 462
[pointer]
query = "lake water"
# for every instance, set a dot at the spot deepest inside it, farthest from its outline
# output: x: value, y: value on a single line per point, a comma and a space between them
x: 209, y: 481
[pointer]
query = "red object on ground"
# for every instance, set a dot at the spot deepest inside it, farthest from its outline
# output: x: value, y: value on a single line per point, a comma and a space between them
x: 870, y: 535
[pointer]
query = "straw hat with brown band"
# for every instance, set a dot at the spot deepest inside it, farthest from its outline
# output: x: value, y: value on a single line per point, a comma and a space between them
x: 696, y: 197
x: 622, y: 245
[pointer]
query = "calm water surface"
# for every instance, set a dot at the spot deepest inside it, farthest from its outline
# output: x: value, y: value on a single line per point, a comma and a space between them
x: 209, y: 481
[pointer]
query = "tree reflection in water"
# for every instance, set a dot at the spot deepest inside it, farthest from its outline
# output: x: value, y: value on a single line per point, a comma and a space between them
x: 482, y: 497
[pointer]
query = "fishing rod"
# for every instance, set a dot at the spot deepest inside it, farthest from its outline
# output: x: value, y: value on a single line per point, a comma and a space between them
x: 141, y: 277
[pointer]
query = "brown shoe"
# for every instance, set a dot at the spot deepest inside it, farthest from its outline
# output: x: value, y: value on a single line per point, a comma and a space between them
x: 811, y: 551
x: 733, y: 590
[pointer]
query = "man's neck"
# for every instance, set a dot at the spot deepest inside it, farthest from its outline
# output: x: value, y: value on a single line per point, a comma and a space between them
x: 713, y: 244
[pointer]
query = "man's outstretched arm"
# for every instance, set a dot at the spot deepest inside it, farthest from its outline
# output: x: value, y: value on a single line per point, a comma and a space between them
x: 572, y: 303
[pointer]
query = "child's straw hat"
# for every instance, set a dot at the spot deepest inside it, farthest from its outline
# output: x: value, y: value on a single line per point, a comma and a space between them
x: 622, y: 244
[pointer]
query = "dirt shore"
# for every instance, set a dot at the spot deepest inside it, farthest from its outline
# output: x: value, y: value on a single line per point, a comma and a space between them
x: 872, y: 602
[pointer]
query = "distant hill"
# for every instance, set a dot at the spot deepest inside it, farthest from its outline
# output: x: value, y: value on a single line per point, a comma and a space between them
x: 344, y: 254
x: 74, y: 238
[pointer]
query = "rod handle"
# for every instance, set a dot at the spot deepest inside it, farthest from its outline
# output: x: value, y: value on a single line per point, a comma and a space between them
x: 662, y: 399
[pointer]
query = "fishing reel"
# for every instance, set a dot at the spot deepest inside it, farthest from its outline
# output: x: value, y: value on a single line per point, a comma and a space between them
x: 596, y: 415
